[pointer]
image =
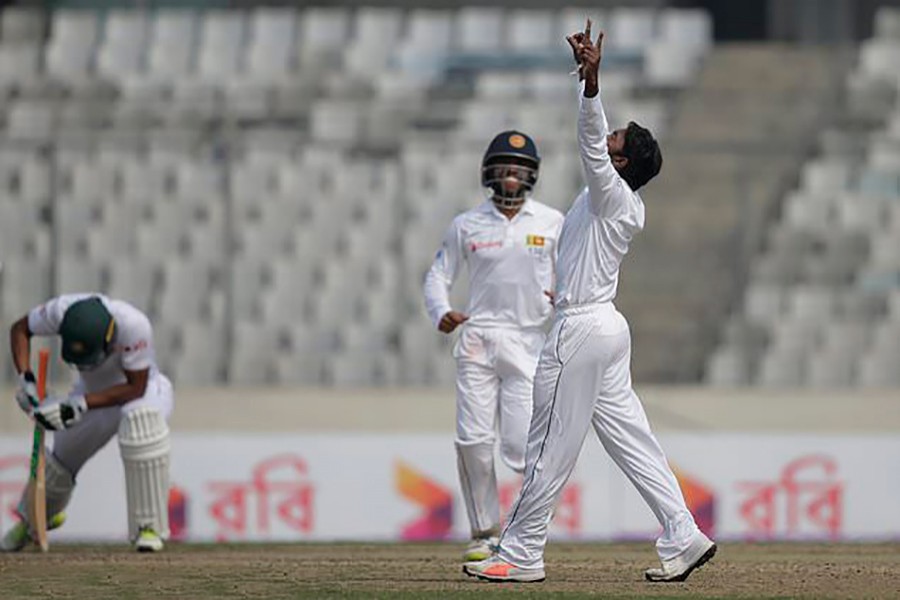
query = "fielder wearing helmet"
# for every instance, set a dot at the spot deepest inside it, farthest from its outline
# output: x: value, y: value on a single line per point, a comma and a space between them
x: 510, y: 169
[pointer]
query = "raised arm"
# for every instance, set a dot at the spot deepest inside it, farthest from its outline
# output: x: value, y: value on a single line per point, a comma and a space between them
x: 605, y: 185
x: 440, y: 278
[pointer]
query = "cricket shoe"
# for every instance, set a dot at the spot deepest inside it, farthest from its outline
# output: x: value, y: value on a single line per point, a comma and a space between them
x: 498, y: 570
x: 148, y: 540
x: 679, y: 568
x: 18, y: 535
x: 480, y: 549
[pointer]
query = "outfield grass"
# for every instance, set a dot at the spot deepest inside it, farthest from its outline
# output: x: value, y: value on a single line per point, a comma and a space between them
x: 433, y: 571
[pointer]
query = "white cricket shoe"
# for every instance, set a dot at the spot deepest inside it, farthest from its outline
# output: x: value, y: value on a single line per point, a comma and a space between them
x: 18, y: 535
x: 498, y: 570
x: 679, y: 568
x: 480, y: 549
x: 148, y: 540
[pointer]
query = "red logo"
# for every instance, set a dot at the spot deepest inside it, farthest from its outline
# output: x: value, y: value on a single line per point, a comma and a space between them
x: 475, y: 246
x: 567, y: 513
x: 278, y: 488
x: 13, y: 475
x: 806, y: 498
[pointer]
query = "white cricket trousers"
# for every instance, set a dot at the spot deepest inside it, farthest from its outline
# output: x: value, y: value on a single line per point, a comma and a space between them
x: 494, y: 380
x: 73, y: 447
x: 584, y: 378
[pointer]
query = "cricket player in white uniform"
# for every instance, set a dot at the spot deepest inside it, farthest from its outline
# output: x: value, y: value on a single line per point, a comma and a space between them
x: 583, y: 376
x: 509, y: 245
x: 119, y: 391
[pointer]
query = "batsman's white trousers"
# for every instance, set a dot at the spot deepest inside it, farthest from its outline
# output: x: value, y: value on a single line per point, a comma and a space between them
x: 73, y: 447
x: 494, y: 381
x: 584, y: 378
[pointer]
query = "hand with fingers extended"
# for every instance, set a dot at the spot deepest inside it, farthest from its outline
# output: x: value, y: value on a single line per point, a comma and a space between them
x: 588, y: 55
x: 451, y: 320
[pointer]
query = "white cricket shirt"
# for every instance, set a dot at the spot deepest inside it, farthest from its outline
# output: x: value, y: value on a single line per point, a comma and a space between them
x: 510, y: 263
x: 601, y: 222
x: 132, y: 347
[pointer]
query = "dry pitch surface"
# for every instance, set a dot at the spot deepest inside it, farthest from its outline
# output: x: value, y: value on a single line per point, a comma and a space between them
x: 433, y: 571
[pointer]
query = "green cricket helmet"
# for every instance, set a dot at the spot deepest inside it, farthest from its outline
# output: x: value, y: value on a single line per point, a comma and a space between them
x: 87, y: 331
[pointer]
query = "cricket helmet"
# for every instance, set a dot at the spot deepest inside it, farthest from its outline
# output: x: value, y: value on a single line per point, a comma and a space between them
x: 87, y: 331
x: 511, y: 156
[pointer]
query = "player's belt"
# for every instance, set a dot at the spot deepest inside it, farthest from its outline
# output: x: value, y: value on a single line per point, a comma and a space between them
x: 574, y: 310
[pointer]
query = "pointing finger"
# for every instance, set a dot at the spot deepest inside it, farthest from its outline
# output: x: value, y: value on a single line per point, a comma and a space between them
x: 587, y: 31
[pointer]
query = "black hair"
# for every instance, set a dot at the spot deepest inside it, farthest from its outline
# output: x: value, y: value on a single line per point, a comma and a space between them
x: 643, y: 154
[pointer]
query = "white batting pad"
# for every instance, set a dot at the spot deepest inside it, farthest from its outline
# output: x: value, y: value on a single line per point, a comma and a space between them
x: 144, y: 445
x: 478, y: 481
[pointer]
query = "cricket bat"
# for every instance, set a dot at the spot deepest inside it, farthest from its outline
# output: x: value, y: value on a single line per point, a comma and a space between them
x: 36, y: 497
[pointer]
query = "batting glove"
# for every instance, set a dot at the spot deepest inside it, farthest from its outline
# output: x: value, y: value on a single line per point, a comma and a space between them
x: 56, y: 414
x: 26, y: 394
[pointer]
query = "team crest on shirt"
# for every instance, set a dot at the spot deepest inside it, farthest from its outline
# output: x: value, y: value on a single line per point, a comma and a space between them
x: 534, y: 241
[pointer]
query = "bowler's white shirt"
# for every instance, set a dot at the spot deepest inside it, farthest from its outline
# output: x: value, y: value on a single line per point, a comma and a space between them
x: 132, y: 347
x: 601, y: 222
x: 510, y: 263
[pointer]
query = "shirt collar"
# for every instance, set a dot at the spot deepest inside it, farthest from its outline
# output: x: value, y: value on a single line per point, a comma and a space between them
x: 527, y: 208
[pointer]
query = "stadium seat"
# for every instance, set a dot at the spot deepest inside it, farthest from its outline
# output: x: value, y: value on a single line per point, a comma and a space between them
x: 170, y: 55
x: 375, y: 34
x: 831, y: 368
x: 21, y: 24
x: 427, y: 41
x: 763, y: 303
x: 323, y: 34
x: 124, y: 45
x: 300, y: 368
x: 628, y: 29
x: 23, y: 284
x: 479, y: 29
x: 336, y: 122
x: 530, y: 30
x: 31, y: 121
x: 782, y: 368
x: 200, y: 354
x: 887, y: 23
x: 19, y: 66
x: 136, y: 281
x: 252, y: 356
x: 669, y: 65
x: 72, y: 44
x: 727, y: 367
x: 686, y: 28
x: 271, y: 47
x: 221, y: 44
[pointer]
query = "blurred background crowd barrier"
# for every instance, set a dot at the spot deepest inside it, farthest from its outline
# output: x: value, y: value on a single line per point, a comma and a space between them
x: 270, y: 183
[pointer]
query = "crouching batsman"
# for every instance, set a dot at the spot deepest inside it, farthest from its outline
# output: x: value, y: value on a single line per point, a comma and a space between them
x: 583, y: 376
x: 118, y: 391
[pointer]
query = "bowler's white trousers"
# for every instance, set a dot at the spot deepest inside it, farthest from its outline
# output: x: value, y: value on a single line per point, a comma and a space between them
x: 584, y: 378
x: 73, y: 447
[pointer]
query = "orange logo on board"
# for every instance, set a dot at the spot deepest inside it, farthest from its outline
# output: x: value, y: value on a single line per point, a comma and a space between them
x: 517, y: 141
